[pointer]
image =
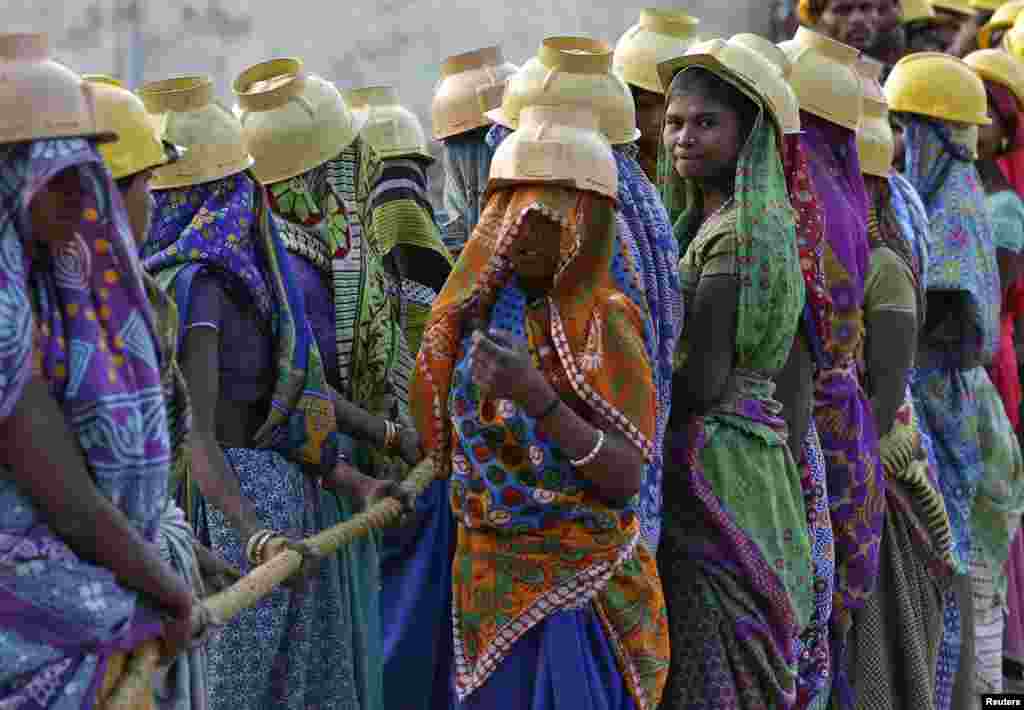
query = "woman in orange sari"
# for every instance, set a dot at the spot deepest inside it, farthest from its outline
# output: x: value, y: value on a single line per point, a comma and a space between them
x: 533, y: 391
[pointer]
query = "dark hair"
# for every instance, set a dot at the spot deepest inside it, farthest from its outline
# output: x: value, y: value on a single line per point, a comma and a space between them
x: 700, y: 81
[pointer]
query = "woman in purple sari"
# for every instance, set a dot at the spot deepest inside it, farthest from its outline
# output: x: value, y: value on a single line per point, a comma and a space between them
x: 84, y: 446
x: 843, y: 412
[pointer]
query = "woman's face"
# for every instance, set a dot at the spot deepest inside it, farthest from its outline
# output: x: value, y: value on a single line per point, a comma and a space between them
x: 537, y: 248
x: 139, y: 204
x: 990, y: 137
x: 650, y: 114
x: 56, y: 209
x: 703, y: 138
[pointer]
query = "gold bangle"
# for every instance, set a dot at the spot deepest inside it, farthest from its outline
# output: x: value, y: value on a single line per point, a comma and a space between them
x: 254, y: 541
x: 261, y: 548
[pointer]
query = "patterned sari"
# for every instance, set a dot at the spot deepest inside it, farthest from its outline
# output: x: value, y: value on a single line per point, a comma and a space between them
x: 896, y: 636
x: 644, y: 221
x: 815, y: 654
x: 75, y: 314
x: 401, y: 215
x: 416, y: 560
x: 961, y: 258
x: 644, y: 268
x: 467, y: 166
x: 324, y: 214
x: 737, y: 563
x: 292, y: 650
x: 540, y: 558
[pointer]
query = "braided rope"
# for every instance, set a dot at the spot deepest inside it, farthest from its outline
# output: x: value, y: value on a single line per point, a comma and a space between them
x: 250, y: 589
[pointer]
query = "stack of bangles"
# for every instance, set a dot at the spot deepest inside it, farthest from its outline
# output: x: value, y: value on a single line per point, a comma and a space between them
x: 257, y: 546
x: 391, y: 434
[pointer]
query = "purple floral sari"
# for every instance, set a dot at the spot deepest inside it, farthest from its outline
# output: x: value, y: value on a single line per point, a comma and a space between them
x: 77, y: 315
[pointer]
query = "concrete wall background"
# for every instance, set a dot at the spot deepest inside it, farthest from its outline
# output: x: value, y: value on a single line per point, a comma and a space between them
x: 354, y: 43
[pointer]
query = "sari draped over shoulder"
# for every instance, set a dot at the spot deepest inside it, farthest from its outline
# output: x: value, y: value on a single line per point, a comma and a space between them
x: 736, y: 564
x: 326, y: 211
x: 75, y: 314
x: 400, y: 215
x: 856, y: 484
x: 226, y: 227
x: 961, y: 262
x: 467, y: 166
x: 814, y: 651
x: 1007, y: 212
x: 644, y: 268
x: 534, y: 539
x: 961, y: 258
x: 643, y: 220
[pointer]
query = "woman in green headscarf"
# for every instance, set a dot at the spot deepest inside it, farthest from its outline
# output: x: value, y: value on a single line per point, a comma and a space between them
x: 735, y: 556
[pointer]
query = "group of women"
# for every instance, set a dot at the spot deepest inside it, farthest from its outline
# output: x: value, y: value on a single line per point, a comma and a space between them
x: 718, y: 381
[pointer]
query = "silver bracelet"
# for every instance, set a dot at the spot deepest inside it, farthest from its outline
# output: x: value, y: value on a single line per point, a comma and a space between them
x: 579, y: 463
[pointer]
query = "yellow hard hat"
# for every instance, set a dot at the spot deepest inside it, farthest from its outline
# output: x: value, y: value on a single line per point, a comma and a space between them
x: 937, y: 85
x: 292, y: 121
x: 986, y: 5
x: 999, y: 67
x: 875, y: 143
x: 753, y: 74
x: 138, y: 146
x: 1003, y: 19
x: 41, y: 98
x: 471, y: 84
x: 960, y: 7
x: 572, y: 71
x: 787, y: 104
x: 916, y: 11
x: 824, y: 77
x: 659, y: 35
x: 1013, y: 40
x: 187, y: 115
x: 559, y: 145
x: 393, y: 130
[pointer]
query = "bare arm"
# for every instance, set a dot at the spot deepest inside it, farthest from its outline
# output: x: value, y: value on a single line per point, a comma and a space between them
x: 200, y: 364
x: 889, y: 355
x: 710, y: 349
x: 794, y: 388
x: 41, y: 457
x: 502, y: 367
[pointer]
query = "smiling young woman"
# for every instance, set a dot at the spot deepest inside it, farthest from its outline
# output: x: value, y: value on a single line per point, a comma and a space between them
x: 724, y: 550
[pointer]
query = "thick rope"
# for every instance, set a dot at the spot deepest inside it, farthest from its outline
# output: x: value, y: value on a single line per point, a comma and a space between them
x: 253, y: 587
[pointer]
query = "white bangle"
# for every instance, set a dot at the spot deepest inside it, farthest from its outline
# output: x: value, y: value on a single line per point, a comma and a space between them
x: 579, y: 463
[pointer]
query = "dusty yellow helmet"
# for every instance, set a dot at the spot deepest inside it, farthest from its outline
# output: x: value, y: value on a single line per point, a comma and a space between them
x: 658, y: 36
x: 138, y: 146
x: 1002, y: 19
x: 916, y: 11
x: 937, y: 85
x: 559, y: 145
x: 471, y: 84
x: 750, y: 71
x: 824, y: 77
x: 187, y: 114
x: 292, y: 121
x: 393, y: 130
x: 876, y: 145
x: 999, y: 67
x: 960, y: 7
x: 572, y: 71
x: 42, y: 98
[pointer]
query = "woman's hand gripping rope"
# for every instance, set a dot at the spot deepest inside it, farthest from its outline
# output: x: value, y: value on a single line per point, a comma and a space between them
x: 219, y: 609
